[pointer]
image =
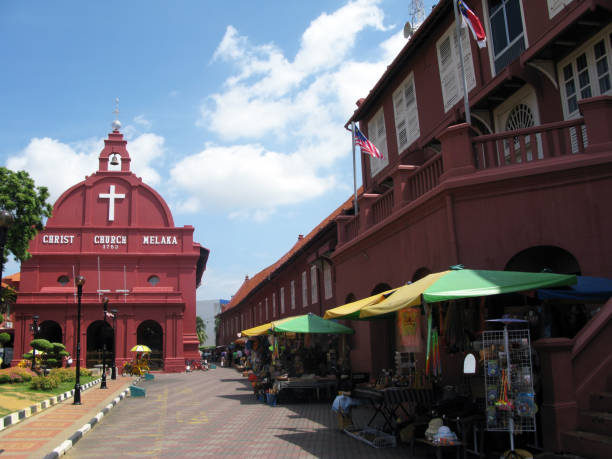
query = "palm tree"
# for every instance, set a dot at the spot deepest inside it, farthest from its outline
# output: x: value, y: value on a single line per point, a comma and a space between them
x: 201, y: 329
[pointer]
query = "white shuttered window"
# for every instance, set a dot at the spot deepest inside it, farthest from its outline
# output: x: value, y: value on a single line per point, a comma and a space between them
x: 378, y: 136
x: 449, y: 66
x: 406, y: 114
x: 327, y: 280
x: 282, y: 300
x: 314, y: 294
x: 304, y: 289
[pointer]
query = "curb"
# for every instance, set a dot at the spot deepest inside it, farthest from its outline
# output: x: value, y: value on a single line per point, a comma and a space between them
x: 75, y: 437
x: 18, y: 416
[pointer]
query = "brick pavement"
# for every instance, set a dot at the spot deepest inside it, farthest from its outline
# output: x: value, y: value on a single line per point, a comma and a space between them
x: 37, y: 436
x: 214, y: 413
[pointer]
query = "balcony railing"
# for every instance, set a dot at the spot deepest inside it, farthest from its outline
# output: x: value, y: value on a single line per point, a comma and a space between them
x: 383, y: 207
x: 352, y: 229
x: 531, y: 144
x: 425, y: 178
x: 463, y: 154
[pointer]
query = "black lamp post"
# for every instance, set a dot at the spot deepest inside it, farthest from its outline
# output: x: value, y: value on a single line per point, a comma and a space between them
x: 103, y: 383
x: 80, y: 281
x: 35, y: 329
x: 114, y: 370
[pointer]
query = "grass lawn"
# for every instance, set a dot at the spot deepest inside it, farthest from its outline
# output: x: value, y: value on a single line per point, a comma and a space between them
x: 15, y: 397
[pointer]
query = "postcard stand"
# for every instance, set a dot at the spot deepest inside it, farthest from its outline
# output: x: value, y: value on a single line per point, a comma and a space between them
x: 510, y: 401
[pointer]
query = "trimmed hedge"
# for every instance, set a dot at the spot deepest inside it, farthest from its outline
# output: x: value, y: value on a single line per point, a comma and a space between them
x: 16, y: 375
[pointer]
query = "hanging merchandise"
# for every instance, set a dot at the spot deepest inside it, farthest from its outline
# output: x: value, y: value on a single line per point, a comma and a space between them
x: 409, y: 330
x: 428, y: 355
x: 275, y: 352
x: 508, y: 380
x: 437, y: 364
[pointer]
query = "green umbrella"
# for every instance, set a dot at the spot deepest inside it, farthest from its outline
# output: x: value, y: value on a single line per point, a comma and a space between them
x: 460, y: 283
x: 309, y: 323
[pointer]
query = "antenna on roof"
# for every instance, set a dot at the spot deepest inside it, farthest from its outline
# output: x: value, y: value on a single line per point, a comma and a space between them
x: 416, y: 13
x: 408, y: 30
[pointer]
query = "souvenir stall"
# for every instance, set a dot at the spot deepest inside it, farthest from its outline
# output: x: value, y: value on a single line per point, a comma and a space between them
x: 438, y: 322
x: 298, y: 357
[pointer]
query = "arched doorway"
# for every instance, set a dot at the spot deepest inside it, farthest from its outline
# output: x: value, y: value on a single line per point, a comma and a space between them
x: 544, y: 258
x: 100, y: 339
x: 420, y: 274
x: 150, y: 334
x: 51, y: 331
x: 549, y: 320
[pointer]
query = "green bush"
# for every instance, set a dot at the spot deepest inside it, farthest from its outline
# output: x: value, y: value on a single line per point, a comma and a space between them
x: 27, y: 356
x: 63, y: 354
x: 41, y: 345
x: 85, y: 372
x: 4, y: 378
x: 44, y: 382
x: 58, y: 347
x: 4, y: 337
x: 64, y: 374
x: 17, y: 375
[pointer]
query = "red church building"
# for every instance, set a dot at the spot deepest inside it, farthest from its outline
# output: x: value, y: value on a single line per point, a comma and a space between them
x: 119, y: 234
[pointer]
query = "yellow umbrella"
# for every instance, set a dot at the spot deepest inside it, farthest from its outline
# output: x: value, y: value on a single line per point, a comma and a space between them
x: 141, y: 348
x: 351, y: 310
x: 262, y: 329
x: 404, y: 297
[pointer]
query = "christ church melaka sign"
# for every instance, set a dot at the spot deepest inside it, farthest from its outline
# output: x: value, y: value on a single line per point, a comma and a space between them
x: 112, y: 241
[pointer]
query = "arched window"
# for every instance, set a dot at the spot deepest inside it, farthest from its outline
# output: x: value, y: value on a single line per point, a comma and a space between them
x: 63, y: 280
x: 153, y: 280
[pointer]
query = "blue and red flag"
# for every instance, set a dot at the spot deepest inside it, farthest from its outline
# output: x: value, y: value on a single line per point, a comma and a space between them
x: 365, y: 145
x: 471, y: 20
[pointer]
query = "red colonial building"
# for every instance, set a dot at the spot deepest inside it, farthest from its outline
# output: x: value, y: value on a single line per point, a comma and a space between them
x: 119, y: 234
x: 524, y: 187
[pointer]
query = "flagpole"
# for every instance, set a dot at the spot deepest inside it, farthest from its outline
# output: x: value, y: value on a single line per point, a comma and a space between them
x: 354, y: 167
x: 466, y: 102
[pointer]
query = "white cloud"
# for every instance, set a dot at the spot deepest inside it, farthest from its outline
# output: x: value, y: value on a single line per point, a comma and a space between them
x: 43, y: 158
x: 245, y: 180
x: 142, y: 121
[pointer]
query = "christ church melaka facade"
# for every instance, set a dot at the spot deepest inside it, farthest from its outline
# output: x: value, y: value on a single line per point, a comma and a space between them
x: 119, y: 234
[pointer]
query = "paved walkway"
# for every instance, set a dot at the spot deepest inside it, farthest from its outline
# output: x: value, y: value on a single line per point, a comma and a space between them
x: 37, y: 436
x: 215, y: 414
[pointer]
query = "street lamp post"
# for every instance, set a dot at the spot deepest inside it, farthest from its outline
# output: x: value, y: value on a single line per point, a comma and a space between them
x: 80, y: 281
x: 34, y: 328
x: 103, y: 383
x: 114, y: 370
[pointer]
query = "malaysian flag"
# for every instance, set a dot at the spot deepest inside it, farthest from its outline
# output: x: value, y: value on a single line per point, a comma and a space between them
x: 471, y: 20
x: 365, y: 145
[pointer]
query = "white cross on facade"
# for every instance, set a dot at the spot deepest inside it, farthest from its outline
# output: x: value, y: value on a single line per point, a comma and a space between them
x: 111, y: 196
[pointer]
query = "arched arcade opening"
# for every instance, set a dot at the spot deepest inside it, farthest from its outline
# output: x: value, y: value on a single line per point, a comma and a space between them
x: 100, y: 343
x: 151, y: 334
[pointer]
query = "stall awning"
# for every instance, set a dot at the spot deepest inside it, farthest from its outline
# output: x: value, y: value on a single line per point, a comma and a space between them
x: 306, y: 323
x: 351, y: 310
x: 586, y: 290
x: 464, y: 283
x: 310, y: 323
x: 404, y: 297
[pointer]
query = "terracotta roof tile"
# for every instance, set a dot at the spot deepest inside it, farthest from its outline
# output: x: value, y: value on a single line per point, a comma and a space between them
x: 250, y: 284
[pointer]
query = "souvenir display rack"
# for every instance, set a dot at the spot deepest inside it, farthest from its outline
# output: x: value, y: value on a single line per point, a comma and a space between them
x: 510, y: 404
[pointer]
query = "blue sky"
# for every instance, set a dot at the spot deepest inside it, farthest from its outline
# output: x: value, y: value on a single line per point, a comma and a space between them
x: 233, y: 111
